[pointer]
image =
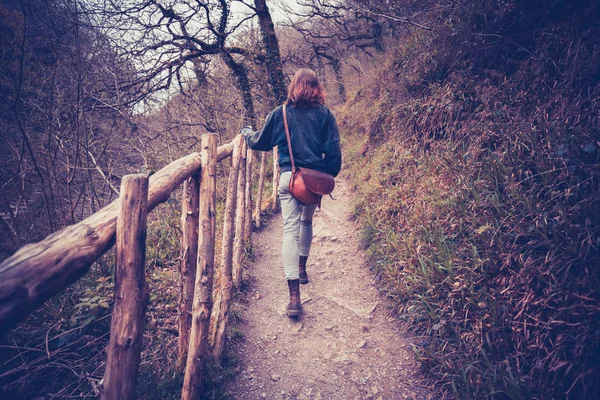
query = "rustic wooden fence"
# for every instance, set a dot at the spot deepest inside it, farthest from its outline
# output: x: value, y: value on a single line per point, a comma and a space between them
x: 38, y: 271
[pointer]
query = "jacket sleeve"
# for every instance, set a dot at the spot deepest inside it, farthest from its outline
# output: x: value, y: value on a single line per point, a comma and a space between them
x: 331, y: 148
x: 262, y: 140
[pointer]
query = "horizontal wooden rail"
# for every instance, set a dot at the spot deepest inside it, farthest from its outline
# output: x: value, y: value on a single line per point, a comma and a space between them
x: 38, y: 271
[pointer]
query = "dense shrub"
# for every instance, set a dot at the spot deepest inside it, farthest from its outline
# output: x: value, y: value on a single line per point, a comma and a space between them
x: 480, y: 143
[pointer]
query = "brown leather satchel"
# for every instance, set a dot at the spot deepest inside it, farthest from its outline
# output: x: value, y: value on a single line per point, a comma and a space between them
x: 307, y: 185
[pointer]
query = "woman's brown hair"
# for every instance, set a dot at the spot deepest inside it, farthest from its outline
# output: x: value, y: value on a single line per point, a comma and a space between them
x: 305, y: 90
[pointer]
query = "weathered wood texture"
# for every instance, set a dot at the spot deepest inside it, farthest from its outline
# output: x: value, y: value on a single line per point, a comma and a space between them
x: 38, y: 271
x: 198, y: 344
x: 275, y: 178
x: 221, y: 315
x: 131, y: 295
x: 261, y: 187
x: 240, y: 215
x: 187, y: 265
x: 248, y: 206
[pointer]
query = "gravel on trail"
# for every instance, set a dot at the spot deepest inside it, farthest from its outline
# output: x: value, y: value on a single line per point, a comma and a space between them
x: 345, y: 346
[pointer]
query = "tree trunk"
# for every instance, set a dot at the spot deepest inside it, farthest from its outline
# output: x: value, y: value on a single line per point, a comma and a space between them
x: 198, y: 347
x: 243, y: 83
x: 273, y: 55
x: 209, y: 115
x: 377, y: 30
x: 238, y: 244
x: 131, y: 295
x: 187, y: 265
x: 221, y: 317
x: 38, y: 271
x: 337, y: 71
x: 339, y: 78
x: 320, y: 68
x: 261, y: 187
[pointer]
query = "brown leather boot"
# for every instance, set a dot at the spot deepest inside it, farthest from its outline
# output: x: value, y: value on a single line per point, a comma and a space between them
x: 302, y: 267
x: 294, y: 308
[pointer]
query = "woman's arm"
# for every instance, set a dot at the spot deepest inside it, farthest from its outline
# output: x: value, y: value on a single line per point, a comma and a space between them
x: 262, y: 140
x: 331, y: 147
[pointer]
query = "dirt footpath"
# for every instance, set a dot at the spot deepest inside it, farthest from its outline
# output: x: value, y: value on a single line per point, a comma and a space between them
x: 344, y: 346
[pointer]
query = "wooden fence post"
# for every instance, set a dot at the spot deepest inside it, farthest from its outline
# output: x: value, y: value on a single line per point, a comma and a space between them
x: 187, y: 265
x: 221, y: 316
x: 261, y: 187
x: 198, y: 347
x: 275, y: 178
x: 248, y: 207
x: 131, y: 295
x: 240, y: 214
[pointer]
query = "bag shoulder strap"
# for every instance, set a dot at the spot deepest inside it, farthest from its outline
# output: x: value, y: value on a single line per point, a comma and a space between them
x: 289, y: 140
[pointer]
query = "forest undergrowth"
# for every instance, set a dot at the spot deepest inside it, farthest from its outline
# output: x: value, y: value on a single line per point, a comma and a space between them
x: 474, y: 152
x: 59, y: 351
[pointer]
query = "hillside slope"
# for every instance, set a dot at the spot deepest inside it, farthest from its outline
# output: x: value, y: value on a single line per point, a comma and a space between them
x: 474, y: 153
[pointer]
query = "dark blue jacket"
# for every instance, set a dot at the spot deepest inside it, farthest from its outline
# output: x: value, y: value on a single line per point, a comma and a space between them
x: 314, y: 134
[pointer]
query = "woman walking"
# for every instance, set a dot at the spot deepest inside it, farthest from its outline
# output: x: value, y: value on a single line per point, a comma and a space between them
x: 316, y: 145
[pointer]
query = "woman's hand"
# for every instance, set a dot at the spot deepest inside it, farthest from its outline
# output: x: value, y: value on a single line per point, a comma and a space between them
x: 246, y: 130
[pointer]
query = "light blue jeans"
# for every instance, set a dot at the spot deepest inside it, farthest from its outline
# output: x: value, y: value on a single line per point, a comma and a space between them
x: 297, y: 228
